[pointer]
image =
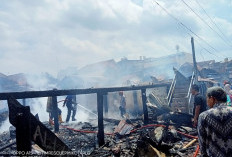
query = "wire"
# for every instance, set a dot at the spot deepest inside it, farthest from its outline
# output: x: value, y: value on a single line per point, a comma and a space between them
x: 205, y: 22
x: 212, y: 20
x: 184, y: 26
x: 203, y: 48
x: 207, y: 50
x: 202, y: 55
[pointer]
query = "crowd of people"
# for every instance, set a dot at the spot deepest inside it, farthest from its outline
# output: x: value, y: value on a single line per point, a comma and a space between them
x: 214, y: 121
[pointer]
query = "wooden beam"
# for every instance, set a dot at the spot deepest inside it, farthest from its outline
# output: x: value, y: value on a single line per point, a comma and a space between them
x: 55, y: 113
x: 100, y: 135
x: 41, y: 135
x: 37, y: 94
x: 23, y: 130
x: 194, y: 59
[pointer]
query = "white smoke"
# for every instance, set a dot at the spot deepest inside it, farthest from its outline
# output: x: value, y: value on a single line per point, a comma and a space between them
x: 5, y: 126
x: 43, y: 81
x: 97, y: 75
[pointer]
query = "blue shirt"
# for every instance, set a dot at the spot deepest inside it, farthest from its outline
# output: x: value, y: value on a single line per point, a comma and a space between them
x: 69, y: 101
x: 228, y: 100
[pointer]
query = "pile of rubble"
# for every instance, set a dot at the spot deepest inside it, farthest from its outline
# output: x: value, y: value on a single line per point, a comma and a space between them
x: 132, y: 139
x: 167, y: 134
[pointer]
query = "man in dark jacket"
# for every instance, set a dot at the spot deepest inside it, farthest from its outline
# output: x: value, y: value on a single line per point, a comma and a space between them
x: 199, y: 103
x: 70, y: 102
x: 214, y: 125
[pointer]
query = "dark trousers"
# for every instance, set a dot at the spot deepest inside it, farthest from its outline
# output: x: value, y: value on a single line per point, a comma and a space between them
x: 122, y: 110
x: 69, y: 113
x: 52, y: 114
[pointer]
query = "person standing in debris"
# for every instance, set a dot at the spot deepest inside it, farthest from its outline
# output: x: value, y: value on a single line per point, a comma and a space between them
x: 214, y: 125
x: 70, y: 102
x: 51, y: 102
x: 122, y: 106
x: 199, y: 103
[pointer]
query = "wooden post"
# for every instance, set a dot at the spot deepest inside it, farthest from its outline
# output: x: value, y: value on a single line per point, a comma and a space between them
x: 39, y: 133
x: 105, y: 104
x: 100, y: 135
x: 55, y: 114
x: 194, y: 59
x: 144, y: 100
x: 23, y: 130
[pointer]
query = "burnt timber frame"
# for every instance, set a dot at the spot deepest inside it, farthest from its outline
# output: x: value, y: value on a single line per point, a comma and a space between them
x: 29, y: 128
x: 99, y: 91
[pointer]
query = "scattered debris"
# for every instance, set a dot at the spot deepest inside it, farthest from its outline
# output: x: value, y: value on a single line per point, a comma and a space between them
x: 167, y: 134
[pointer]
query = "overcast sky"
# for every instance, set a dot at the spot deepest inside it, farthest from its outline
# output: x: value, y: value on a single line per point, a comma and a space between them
x: 50, y: 35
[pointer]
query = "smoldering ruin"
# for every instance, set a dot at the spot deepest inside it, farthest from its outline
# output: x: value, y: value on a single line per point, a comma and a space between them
x: 158, y: 121
x: 155, y: 131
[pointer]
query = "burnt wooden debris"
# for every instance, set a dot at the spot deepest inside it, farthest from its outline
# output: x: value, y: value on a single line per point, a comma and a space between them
x: 37, y: 94
x: 23, y: 128
x: 100, y: 119
x: 28, y: 129
x: 131, y: 138
x: 100, y: 92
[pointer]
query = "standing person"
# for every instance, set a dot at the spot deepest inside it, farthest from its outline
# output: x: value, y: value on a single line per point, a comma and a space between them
x: 122, y: 106
x: 215, y: 125
x: 199, y: 103
x: 51, y: 111
x: 228, y: 91
x: 70, y: 102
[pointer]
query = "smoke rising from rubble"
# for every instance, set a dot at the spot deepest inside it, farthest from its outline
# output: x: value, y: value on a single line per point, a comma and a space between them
x: 43, y: 81
x: 102, y: 74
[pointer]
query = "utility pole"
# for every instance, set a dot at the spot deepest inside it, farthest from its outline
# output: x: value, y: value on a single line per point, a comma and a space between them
x: 194, y: 59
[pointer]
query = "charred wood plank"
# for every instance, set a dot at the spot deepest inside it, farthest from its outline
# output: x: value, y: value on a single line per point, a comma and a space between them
x: 190, y: 143
x: 110, y: 120
x: 41, y: 135
x: 55, y: 112
x: 37, y: 94
x: 23, y: 129
x: 100, y: 135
